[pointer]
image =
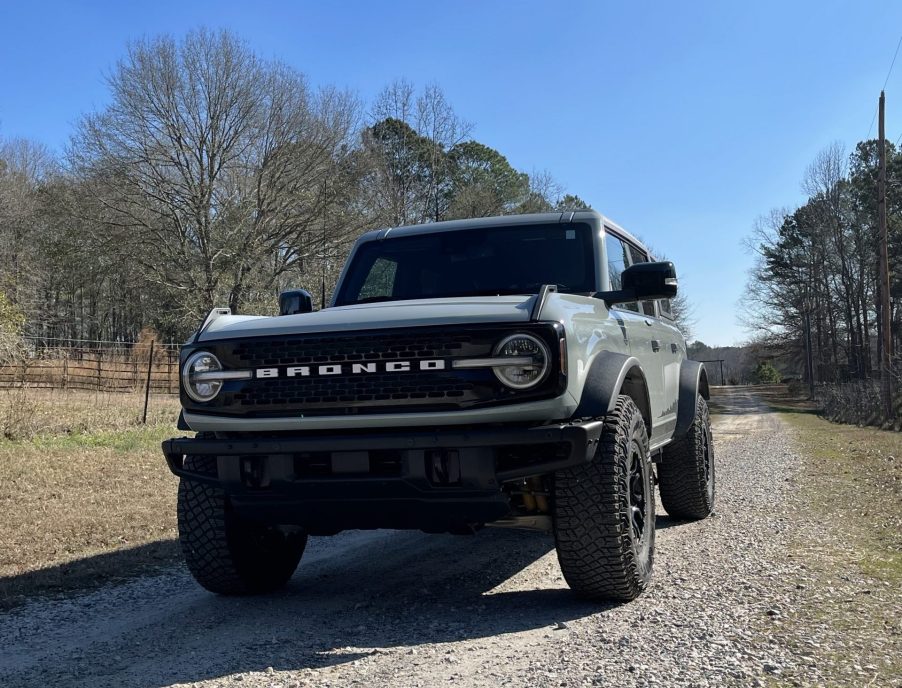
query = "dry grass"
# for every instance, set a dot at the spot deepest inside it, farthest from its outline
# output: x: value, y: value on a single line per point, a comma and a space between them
x: 851, y: 495
x: 856, y: 483
x: 88, y: 497
x: 28, y: 413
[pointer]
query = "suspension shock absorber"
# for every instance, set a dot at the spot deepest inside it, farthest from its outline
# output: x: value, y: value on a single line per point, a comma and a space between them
x: 539, y: 494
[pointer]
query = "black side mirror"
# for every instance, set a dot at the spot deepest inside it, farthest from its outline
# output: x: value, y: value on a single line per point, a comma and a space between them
x: 644, y: 282
x: 295, y: 301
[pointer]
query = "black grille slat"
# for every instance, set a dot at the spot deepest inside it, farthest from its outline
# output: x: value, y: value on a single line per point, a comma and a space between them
x: 369, y: 347
x: 313, y: 390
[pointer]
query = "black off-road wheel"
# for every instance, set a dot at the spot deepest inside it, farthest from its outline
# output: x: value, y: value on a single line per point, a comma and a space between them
x: 604, y: 512
x: 225, y: 553
x: 686, y: 471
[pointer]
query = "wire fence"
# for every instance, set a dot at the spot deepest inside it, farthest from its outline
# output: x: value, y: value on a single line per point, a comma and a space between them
x: 714, y: 368
x: 94, y: 365
x: 861, y: 402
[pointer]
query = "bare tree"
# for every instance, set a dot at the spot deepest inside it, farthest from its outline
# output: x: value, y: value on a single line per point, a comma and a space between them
x: 682, y: 309
x: 443, y: 129
x: 392, y: 157
x: 408, y: 144
x: 24, y: 166
x: 211, y: 168
x: 543, y: 194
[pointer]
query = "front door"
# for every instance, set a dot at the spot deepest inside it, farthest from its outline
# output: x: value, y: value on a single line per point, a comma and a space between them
x: 642, y: 328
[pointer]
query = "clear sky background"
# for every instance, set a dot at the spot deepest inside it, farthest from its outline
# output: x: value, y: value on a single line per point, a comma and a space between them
x: 682, y: 121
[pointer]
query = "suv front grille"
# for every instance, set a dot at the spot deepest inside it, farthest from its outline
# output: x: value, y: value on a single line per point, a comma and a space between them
x: 383, y: 391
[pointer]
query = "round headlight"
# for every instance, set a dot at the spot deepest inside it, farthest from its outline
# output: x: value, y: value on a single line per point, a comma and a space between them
x: 522, y: 375
x: 193, y: 380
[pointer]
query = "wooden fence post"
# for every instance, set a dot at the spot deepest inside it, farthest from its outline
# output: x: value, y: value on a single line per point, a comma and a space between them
x: 99, y: 367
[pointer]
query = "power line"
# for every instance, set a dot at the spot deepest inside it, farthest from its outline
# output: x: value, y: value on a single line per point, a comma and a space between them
x: 885, y: 82
x: 892, y: 64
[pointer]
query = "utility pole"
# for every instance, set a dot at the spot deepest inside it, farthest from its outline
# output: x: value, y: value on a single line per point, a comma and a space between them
x: 809, y: 354
x: 886, y: 362
x: 322, y: 300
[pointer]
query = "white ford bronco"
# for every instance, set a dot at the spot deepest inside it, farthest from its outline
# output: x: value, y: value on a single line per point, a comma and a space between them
x: 520, y: 371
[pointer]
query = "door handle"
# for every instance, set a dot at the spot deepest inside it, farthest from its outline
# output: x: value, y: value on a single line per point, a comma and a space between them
x: 655, y: 345
x: 648, y: 322
x: 673, y: 348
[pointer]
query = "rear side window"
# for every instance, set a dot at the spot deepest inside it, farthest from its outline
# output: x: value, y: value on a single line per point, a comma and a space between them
x: 666, y: 310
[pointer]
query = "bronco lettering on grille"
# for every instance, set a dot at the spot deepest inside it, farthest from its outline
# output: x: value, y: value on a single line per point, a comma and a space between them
x: 351, y: 368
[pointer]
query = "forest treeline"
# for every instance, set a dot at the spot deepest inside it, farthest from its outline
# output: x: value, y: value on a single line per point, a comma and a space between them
x: 817, y: 267
x: 216, y: 178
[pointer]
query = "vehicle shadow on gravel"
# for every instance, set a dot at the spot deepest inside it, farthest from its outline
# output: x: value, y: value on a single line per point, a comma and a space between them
x: 404, y: 590
x: 663, y: 521
x: 88, y: 573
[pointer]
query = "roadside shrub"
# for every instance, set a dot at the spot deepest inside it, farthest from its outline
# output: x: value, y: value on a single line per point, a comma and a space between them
x: 766, y: 374
x: 18, y: 419
x: 16, y: 412
x: 142, y: 347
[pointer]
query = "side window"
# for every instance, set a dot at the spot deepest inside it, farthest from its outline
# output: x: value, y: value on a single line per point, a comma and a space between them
x: 666, y: 311
x: 618, y: 259
x: 640, y: 256
x: 380, y: 282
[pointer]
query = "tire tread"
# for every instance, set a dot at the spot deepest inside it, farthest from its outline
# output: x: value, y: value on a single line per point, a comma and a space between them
x: 591, y: 516
x: 211, y: 543
x: 681, y: 473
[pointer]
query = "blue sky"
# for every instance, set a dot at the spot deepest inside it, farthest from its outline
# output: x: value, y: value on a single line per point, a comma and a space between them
x: 681, y: 121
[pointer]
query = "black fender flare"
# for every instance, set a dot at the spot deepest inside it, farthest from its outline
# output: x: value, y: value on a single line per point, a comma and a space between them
x: 610, y: 375
x: 693, y: 381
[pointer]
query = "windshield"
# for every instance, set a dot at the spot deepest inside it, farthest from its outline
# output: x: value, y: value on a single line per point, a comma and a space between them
x: 472, y: 262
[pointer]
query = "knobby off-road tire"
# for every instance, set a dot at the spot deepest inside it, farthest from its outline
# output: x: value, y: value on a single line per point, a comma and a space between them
x: 226, y: 554
x: 686, y: 471
x: 604, y: 512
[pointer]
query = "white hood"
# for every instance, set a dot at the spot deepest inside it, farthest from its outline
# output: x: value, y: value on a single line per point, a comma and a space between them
x: 377, y: 316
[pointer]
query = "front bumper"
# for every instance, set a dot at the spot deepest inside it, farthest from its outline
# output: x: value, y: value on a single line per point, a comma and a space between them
x: 442, y: 479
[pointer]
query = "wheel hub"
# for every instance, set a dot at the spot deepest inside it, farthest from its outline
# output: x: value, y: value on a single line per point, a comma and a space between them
x: 637, y: 493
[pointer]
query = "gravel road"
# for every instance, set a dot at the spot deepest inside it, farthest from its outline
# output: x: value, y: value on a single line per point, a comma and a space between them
x: 408, y: 609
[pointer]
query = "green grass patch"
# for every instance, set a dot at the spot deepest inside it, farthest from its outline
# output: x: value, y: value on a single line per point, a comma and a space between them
x: 886, y: 566
x: 856, y: 482
x: 134, y: 439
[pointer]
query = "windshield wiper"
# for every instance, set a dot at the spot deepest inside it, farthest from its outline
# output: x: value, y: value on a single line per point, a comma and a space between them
x: 375, y: 299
